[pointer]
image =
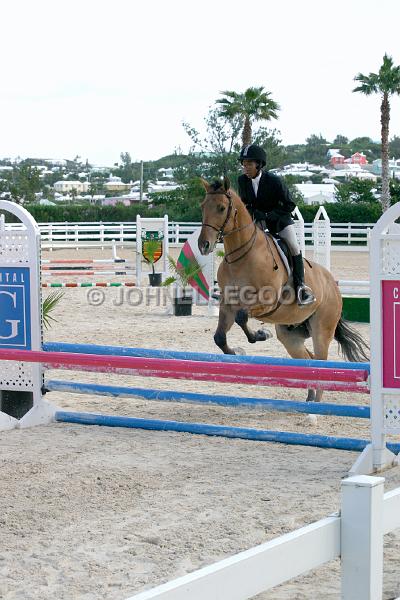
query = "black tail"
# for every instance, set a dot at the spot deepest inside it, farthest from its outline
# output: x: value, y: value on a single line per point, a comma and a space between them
x: 352, y: 345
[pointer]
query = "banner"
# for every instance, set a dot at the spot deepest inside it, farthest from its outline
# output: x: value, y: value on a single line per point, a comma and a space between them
x: 190, y: 253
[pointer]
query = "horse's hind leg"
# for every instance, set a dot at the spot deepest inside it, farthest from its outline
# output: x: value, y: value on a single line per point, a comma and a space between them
x: 260, y: 335
x: 225, y: 321
x: 293, y: 340
x: 322, y: 333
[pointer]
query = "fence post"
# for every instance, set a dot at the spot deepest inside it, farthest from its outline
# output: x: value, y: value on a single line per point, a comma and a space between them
x: 362, y: 538
x: 322, y: 238
x: 102, y: 234
x: 299, y: 228
x: 76, y: 235
x: 138, y: 251
x: 51, y: 236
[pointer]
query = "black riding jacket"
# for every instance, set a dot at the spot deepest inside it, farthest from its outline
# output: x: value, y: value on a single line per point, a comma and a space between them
x: 273, y: 203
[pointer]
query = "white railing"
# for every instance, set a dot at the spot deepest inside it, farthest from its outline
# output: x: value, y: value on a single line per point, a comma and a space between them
x: 343, y: 233
x: 356, y: 535
x: 79, y: 235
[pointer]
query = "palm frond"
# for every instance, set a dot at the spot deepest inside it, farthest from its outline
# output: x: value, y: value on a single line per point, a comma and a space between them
x: 49, y: 304
x: 182, y: 273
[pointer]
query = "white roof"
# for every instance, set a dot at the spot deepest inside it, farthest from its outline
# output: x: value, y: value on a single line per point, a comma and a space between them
x: 317, y: 191
x: 297, y: 173
x: 315, y: 188
x: 46, y: 202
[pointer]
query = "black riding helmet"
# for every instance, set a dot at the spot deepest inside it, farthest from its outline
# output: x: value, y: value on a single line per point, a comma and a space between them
x: 253, y: 152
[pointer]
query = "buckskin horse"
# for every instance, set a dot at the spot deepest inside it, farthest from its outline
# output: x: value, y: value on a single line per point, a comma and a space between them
x: 254, y: 282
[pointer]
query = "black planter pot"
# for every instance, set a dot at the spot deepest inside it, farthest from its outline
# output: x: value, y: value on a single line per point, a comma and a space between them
x: 15, y: 403
x: 182, y: 306
x: 155, y: 279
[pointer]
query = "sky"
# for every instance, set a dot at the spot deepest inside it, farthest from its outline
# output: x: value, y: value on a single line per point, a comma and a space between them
x: 97, y: 78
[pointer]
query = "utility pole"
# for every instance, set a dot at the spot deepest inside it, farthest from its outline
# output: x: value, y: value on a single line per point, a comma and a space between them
x: 141, y: 181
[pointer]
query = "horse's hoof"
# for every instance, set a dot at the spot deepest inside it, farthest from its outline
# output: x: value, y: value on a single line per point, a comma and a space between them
x: 312, y: 419
x: 263, y: 334
x: 311, y: 396
x: 239, y: 350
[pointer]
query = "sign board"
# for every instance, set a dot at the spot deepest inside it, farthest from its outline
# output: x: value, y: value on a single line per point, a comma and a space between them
x: 152, y: 246
x: 15, y: 308
x: 391, y: 333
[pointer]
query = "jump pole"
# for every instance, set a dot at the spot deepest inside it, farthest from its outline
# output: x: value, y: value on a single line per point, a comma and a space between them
x: 261, y: 435
x: 272, y: 404
x: 200, y: 356
x: 331, y: 379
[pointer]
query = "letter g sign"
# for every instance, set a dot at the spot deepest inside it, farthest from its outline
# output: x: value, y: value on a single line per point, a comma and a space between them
x: 12, y: 324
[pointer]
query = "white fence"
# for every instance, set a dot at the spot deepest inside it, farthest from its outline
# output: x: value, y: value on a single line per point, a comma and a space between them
x: 79, y: 235
x: 356, y: 536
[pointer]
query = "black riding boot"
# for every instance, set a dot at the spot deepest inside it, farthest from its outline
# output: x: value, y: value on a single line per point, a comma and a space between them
x: 304, y: 294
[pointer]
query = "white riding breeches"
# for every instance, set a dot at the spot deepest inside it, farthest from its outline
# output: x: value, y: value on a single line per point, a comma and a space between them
x: 289, y: 235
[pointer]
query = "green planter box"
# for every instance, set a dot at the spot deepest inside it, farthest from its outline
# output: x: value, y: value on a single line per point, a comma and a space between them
x: 356, y: 309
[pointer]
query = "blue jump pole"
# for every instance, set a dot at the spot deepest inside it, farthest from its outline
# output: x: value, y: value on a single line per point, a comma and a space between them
x: 301, y: 439
x: 198, y: 356
x: 315, y: 408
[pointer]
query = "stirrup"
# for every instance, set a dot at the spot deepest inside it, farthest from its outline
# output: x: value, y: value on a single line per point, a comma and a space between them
x: 304, y: 295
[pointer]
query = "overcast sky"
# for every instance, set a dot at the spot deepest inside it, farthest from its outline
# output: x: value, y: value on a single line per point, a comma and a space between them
x: 95, y: 78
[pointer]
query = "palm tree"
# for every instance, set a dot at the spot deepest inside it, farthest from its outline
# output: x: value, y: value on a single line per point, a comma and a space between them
x: 386, y: 83
x: 253, y: 105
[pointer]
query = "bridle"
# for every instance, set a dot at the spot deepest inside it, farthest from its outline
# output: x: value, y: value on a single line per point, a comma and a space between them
x: 221, y: 234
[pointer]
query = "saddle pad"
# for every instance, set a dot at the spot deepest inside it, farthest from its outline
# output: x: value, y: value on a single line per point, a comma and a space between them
x: 281, y: 254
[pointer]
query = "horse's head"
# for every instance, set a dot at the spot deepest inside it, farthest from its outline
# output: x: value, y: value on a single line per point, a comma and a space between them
x: 219, y: 214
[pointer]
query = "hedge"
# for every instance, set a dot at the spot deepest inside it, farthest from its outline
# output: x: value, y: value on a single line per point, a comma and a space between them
x: 188, y: 210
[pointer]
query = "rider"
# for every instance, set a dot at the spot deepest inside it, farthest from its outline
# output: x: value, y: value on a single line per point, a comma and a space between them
x: 268, y: 201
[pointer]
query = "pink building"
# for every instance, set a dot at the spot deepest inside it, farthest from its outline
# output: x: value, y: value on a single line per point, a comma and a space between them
x: 336, y: 159
x: 359, y: 158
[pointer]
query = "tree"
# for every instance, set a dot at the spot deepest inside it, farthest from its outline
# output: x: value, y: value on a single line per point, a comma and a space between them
x: 394, y: 147
x: 217, y: 151
x: 253, y: 105
x: 356, y: 190
x: 386, y: 83
x: 366, y: 145
x: 316, y: 148
x: 127, y: 171
x: 340, y: 140
x: 395, y: 190
x: 25, y: 184
x: 272, y: 144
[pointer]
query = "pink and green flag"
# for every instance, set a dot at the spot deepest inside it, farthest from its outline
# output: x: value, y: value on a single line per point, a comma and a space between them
x: 190, y: 253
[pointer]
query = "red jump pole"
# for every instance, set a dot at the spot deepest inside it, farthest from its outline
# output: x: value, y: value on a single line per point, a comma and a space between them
x: 336, y: 379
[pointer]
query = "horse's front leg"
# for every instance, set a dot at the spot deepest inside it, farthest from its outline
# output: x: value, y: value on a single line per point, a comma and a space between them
x: 260, y: 335
x: 225, y: 321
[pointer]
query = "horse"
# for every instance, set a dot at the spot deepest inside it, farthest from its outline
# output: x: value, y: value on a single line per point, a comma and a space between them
x: 254, y: 282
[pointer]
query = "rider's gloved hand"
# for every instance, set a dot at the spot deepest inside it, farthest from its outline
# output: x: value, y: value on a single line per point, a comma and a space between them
x: 259, y: 215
